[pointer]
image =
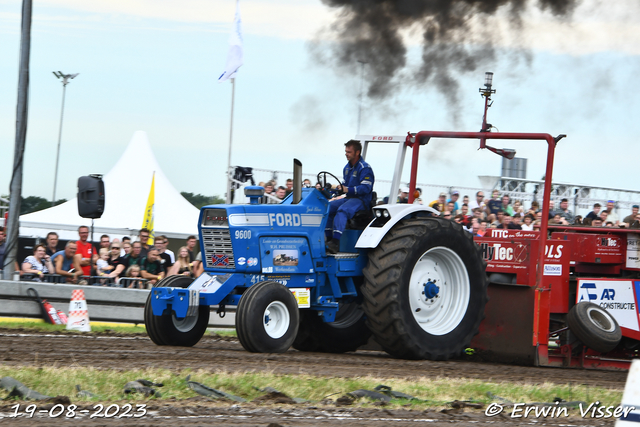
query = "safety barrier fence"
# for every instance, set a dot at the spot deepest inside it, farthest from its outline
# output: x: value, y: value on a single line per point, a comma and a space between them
x: 122, y: 282
x: 106, y: 304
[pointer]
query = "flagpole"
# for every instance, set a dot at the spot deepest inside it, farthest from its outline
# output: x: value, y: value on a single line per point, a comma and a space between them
x: 229, y: 174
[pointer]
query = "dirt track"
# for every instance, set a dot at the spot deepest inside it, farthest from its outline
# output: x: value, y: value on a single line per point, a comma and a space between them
x: 19, y: 348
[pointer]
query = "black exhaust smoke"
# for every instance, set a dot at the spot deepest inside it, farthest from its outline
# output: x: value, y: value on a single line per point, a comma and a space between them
x: 372, y: 31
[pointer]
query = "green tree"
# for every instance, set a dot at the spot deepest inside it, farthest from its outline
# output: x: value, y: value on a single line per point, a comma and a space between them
x: 199, y: 200
x: 34, y: 203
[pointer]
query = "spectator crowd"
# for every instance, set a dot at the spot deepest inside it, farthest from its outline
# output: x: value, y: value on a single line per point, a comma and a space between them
x: 501, y: 212
x: 112, y: 262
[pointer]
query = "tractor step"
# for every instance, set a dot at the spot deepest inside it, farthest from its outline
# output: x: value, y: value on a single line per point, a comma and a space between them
x: 344, y: 255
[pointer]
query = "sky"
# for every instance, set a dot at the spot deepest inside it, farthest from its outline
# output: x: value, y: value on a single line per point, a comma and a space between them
x: 153, y: 65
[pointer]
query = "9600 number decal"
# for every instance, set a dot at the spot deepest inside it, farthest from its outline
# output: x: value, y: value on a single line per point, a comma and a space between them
x: 243, y: 234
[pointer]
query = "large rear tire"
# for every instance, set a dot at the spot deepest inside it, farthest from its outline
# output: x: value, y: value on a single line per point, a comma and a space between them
x: 425, y: 289
x: 348, y: 332
x: 267, y: 318
x: 168, y: 329
x: 594, y: 326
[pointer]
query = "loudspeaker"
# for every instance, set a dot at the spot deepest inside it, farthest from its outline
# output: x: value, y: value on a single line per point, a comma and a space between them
x: 90, y: 196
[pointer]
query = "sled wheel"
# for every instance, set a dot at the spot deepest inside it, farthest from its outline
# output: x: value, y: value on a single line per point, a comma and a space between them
x: 346, y: 333
x: 168, y: 329
x: 425, y: 289
x: 267, y: 318
x: 594, y: 326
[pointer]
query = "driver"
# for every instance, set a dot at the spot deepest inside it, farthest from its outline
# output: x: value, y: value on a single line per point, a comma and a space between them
x: 357, y: 184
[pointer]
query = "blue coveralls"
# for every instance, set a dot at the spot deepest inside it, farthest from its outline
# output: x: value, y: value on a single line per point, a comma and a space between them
x: 359, y: 180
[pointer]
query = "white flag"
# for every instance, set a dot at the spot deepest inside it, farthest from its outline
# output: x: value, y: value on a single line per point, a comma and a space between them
x: 234, y: 57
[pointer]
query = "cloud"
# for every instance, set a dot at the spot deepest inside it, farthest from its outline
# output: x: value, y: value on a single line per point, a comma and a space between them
x: 595, y: 25
x: 287, y: 19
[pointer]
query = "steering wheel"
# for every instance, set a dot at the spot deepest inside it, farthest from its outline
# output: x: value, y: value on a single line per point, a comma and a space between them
x: 329, y: 192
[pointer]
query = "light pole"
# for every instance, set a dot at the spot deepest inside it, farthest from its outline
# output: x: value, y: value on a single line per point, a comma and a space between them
x: 65, y: 80
x: 362, y: 63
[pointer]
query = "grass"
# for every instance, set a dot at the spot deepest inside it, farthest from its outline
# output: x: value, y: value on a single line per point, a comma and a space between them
x: 433, y: 392
x: 36, y: 325
x: 120, y: 328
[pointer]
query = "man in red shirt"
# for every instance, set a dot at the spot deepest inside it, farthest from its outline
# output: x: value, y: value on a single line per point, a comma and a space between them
x: 85, y: 250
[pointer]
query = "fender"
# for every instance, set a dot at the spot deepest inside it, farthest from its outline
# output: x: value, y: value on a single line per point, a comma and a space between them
x: 372, y: 235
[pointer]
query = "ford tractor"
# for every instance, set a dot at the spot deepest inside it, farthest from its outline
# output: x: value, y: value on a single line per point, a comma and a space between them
x: 417, y: 283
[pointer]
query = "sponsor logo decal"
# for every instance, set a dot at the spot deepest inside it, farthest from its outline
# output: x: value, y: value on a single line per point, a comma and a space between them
x: 553, y: 270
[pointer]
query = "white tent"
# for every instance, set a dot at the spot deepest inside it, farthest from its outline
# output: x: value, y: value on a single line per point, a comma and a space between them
x: 127, y: 188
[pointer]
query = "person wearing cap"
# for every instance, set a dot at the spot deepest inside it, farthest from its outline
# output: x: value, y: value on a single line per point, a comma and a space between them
x: 357, y: 185
x: 629, y: 219
x: 440, y: 203
x: 454, y: 198
x: 403, y: 195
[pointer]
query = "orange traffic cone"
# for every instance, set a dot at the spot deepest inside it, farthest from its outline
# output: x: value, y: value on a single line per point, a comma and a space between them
x: 78, y: 312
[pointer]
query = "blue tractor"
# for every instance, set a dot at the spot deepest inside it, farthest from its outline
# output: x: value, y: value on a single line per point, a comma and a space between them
x: 414, y: 281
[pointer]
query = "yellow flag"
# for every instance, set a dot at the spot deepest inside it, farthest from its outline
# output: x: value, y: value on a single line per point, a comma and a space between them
x: 147, y: 220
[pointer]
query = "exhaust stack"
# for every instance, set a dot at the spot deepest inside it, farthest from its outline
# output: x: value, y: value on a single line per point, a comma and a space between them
x: 297, y: 182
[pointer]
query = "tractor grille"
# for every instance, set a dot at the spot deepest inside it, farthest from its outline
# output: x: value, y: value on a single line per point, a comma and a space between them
x: 218, y: 251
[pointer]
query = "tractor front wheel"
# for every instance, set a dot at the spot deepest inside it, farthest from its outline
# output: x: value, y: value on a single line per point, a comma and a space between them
x: 425, y: 289
x: 168, y: 329
x: 267, y: 318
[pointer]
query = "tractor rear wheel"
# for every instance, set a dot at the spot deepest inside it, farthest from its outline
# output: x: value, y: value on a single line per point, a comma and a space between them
x: 346, y: 333
x: 168, y: 329
x: 425, y: 289
x: 594, y: 326
x: 267, y: 318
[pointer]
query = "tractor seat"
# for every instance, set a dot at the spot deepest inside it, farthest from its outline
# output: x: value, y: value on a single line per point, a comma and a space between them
x: 362, y: 218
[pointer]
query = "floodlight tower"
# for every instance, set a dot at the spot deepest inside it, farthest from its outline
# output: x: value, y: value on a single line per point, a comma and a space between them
x: 65, y: 80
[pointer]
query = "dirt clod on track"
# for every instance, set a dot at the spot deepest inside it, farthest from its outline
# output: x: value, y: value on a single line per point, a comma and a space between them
x: 113, y: 351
